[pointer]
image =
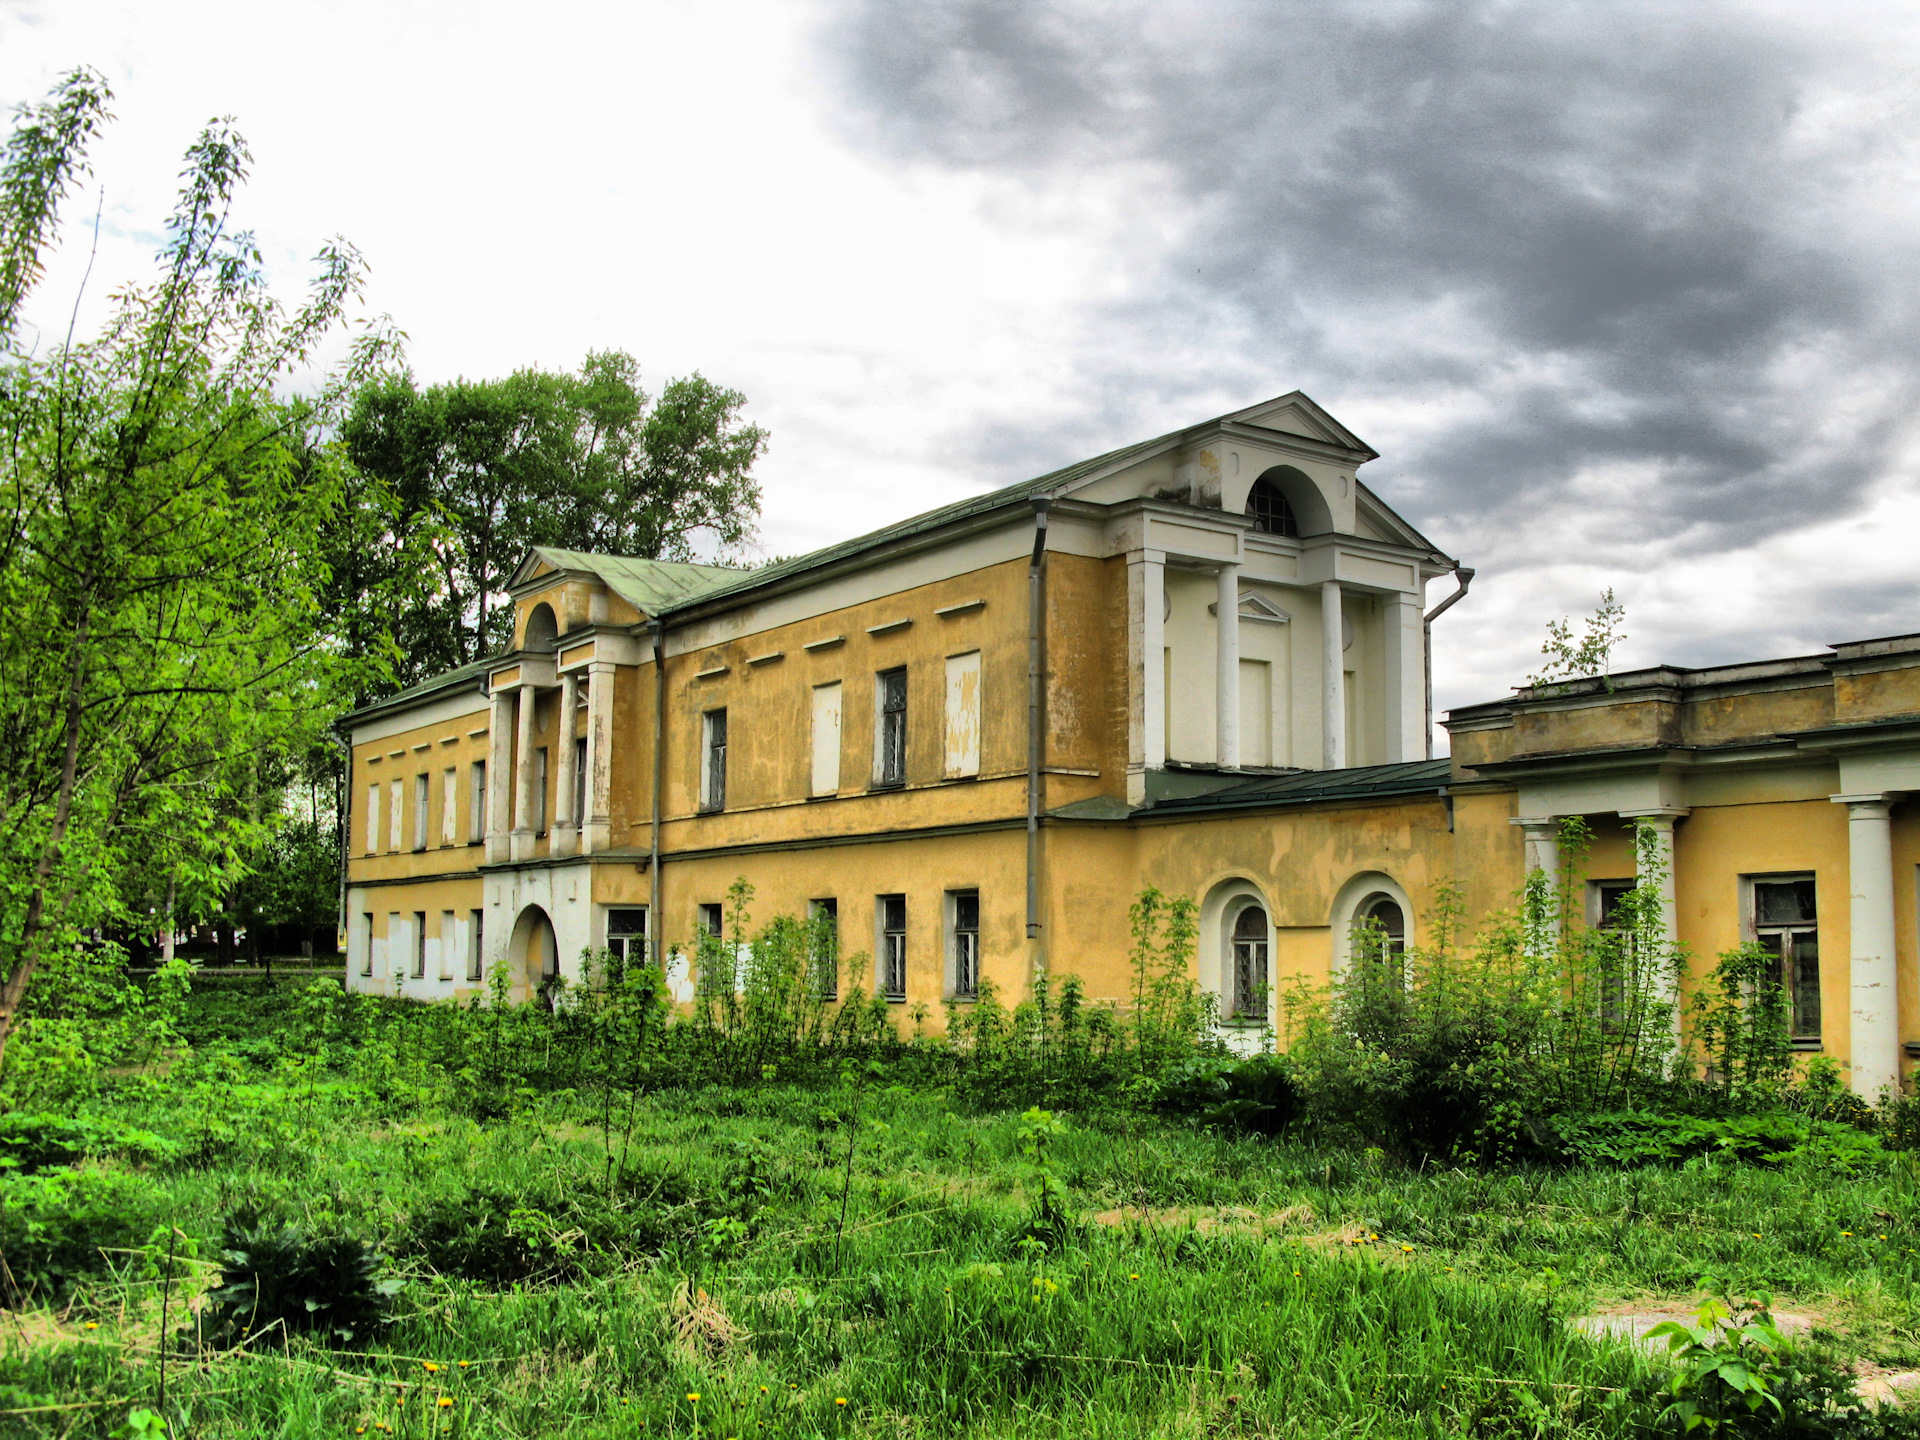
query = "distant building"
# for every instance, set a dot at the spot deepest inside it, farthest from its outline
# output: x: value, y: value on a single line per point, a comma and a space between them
x: 858, y: 731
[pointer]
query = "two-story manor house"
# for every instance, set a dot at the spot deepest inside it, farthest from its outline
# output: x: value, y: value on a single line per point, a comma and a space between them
x: 1200, y: 663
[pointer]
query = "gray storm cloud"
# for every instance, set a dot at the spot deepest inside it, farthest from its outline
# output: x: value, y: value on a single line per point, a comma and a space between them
x: 1643, y: 265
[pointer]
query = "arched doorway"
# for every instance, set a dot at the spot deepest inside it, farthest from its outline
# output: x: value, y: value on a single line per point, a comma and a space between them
x: 534, y: 952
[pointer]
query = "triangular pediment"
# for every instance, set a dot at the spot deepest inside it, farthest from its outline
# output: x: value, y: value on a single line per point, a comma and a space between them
x: 1295, y: 413
x: 1258, y: 607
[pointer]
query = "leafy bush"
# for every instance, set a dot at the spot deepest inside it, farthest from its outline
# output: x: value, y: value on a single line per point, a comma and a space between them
x: 1774, y: 1137
x: 35, y: 1142
x: 298, y: 1278
x: 62, y: 1225
x: 1254, y: 1094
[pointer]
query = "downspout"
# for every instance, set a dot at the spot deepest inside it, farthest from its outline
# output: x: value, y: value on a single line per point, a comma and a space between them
x: 1464, y: 574
x: 1036, y: 703
x: 343, y: 811
x: 654, y: 921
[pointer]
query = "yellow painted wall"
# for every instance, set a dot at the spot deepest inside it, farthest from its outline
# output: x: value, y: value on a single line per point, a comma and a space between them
x: 432, y: 898
x: 430, y: 750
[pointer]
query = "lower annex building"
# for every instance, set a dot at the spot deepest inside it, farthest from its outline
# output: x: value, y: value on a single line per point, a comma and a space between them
x: 1199, y: 663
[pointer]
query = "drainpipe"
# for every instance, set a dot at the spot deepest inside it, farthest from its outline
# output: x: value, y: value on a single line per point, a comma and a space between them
x: 343, y: 811
x: 654, y: 921
x: 1464, y: 574
x: 1036, y: 703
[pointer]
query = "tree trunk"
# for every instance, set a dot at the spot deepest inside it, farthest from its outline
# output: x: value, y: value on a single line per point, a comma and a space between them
x: 166, y: 939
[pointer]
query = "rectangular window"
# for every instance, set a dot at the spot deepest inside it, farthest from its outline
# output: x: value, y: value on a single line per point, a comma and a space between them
x: 826, y: 739
x: 449, y: 806
x: 476, y: 951
x: 393, y: 955
x: 1617, y: 966
x: 396, y: 815
x: 963, y: 715
x: 966, y: 943
x: 477, y: 802
x: 366, y: 944
x: 373, y: 818
x: 890, y: 727
x: 540, y: 791
x: 713, y: 772
x: 1786, y: 922
x: 823, y: 946
x: 449, y: 938
x: 627, y: 936
x: 421, y: 790
x: 713, y: 920
x: 419, y: 944
x: 580, y: 781
x: 893, y: 946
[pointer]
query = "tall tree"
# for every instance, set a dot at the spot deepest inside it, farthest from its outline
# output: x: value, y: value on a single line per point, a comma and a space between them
x: 586, y: 461
x: 163, y: 650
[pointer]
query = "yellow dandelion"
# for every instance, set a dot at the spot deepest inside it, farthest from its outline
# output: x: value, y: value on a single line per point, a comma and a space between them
x: 1846, y: 1234
x: 445, y: 1402
x: 1449, y: 1269
x: 625, y: 1401
x: 1756, y: 1234
x: 694, y: 1395
x: 1407, y: 1248
x: 93, y: 1324
x: 1296, y: 1274
x: 361, y: 1431
x: 430, y: 1367
x: 1134, y: 1276
x: 763, y: 1389
x: 839, y: 1399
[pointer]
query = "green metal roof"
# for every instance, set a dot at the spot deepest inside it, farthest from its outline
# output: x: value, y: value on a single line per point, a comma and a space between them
x: 426, y: 689
x: 651, y: 586
x: 1358, y: 783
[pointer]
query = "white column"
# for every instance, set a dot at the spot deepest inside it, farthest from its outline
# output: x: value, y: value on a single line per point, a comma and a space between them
x: 1226, y: 668
x: 523, y: 805
x: 597, y: 824
x: 1871, y: 977
x: 1333, y: 683
x: 1406, y: 697
x: 1147, y: 643
x: 1541, y: 834
x: 565, y: 822
x: 1657, y: 854
x: 499, y: 777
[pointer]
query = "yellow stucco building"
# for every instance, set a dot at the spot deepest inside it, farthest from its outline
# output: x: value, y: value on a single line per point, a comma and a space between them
x: 972, y: 738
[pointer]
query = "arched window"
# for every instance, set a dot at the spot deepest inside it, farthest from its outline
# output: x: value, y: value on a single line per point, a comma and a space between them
x: 543, y: 631
x: 1271, y: 513
x: 1380, y: 933
x: 1249, y: 965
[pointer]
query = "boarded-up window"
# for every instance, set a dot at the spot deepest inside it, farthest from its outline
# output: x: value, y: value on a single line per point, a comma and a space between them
x: 477, y: 802
x: 396, y: 816
x: 373, y: 819
x: 474, y: 938
x: 826, y: 739
x: 963, y: 714
x: 449, y: 937
x: 449, y: 806
x: 422, y: 793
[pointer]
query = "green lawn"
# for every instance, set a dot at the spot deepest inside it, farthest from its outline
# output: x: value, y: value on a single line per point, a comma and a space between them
x: 1206, y: 1285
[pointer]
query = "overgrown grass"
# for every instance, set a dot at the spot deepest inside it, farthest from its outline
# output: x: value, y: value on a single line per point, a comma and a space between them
x: 1206, y: 1285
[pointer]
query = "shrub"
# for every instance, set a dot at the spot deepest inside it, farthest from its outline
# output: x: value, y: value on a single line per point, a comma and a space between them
x: 1255, y: 1094
x: 298, y: 1278
x: 1773, y: 1138
x: 35, y: 1142
x: 63, y: 1225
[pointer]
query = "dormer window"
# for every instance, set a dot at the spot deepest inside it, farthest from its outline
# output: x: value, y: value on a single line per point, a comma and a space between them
x: 1271, y: 513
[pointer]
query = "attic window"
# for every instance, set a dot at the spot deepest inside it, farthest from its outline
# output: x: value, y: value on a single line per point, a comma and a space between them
x: 1271, y: 513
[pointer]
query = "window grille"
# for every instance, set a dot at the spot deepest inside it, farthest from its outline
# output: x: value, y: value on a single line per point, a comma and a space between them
x: 475, y: 949
x: 966, y: 943
x: 1271, y: 513
x: 627, y: 936
x: 893, y: 946
x: 713, y: 787
x: 419, y: 944
x: 1250, y: 964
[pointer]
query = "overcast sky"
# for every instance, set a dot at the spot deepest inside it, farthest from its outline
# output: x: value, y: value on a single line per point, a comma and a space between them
x: 1623, y: 294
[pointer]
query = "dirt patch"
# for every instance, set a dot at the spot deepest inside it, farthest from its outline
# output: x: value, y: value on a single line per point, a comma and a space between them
x: 1207, y: 1219
x: 1631, y: 1320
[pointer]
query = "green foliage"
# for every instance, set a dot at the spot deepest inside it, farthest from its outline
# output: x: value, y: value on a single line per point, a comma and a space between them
x: 1170, y: 1012
x: 160, y: 566
x: 1457, y: 1052
x: 1254, y: 1095
x: 1592, y: 654
x: 1740, y: 1022
x: 1773, y: 1137
x: 1048, y: 1224
x: 584, y: 461
x: 1724, y: 1366
x: 62, y: 1226
x: 36, y: 1142
x: 295, y: 1278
